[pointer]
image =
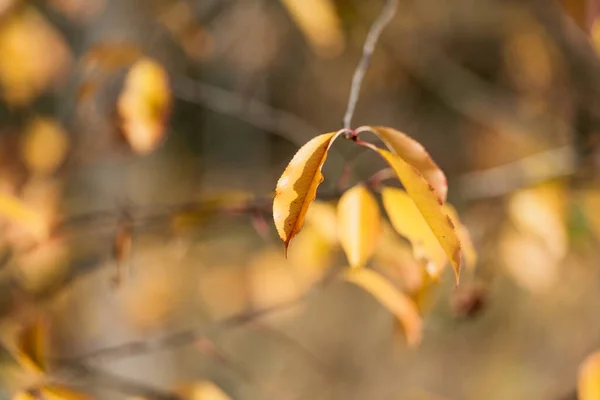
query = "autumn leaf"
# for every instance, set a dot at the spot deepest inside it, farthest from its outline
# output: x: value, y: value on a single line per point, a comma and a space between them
x: 31, y: 346
x: 297, y: 186
x: 429, y: 204
x: 144, y: 105
x: 394, y: 300
x: 408, y: 221
x: 13, y: 209
x: 320, y: 24
x: 59, y: 392
x: 52, y: 392
x: 44, y: 146
x: 588, y: 383
x: 414, y: 154
x: 359, y: 224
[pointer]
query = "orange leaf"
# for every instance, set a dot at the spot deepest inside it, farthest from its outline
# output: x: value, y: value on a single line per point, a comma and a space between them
x: 429, y: 204
x: 359, y: 224
x: 588, y: 384
x: 144, y: 105
x: 415, y: 154
x: 297, y: 186
x: 391, y: 298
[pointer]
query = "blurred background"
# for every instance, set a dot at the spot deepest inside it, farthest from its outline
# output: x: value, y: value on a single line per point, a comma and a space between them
x: 140, y: 145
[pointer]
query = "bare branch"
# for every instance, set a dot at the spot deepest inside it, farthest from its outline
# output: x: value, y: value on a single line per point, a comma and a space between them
x: 386, y: 15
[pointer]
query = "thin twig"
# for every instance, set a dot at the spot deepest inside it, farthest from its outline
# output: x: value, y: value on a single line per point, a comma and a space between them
x: 387, y: 13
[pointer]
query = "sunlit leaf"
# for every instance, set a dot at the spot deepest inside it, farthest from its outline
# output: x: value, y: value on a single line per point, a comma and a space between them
x: 144, y: 105
x: 44, y: 145
x: 297, y: 186
x: 430, y: 205
x: 359, y: 224
x: 391, y: 298
x: 407, y: 220
x: 31, y: 342
x: 414, y: 154
x: 320, y: 24
x: 588, y: 383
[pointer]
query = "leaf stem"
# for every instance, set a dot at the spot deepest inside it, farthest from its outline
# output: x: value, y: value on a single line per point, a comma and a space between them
x: 387, y: 12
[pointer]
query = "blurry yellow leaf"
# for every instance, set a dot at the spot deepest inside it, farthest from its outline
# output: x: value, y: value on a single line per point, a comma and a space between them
x: 12, y: 209
x: 588, y: 383
x: 271, y: 282
x: 595, y: 34
x: 144, y: 105
x: 320, y: 24
x: 43, y: 266
x: 59, y: 392
x: 528, y: 58
x: 395, y: 258
x: 414, y: 154
x: 33, y: 55
x: 395, y: 301
x: 44, y: 146
x: 297, y: 186
x: 204, y: 391
x: 359, y: 224
x: 31, y: 343
x: 527, y: 260
x: 541, y: 212
x: 408, y: 221
x: 323, y: 216
x: 309, y: 258
x: 467, y: 247
x: 430, y: 205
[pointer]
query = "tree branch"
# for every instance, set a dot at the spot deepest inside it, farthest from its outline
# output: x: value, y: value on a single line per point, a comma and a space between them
x: 387, y: 13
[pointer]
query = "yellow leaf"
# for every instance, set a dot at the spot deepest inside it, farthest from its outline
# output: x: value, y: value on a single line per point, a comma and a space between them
x: 44, y: 146
x: 359, y: 224
x: 204, y: 390
x: 408, y: 221
x: 415, y: 154
x: 59, y: 392
x: 395, y: 258
x: 16, y: 211
x: 588, y: 384
x: 468, y: 249
x: 319, y: 22
x: 24, y: 396
x: 31, y: 346
x: 297, y: 186
x: 430, y: 205
x: 323, y: 216
x: 391, y: 298
x: 144, y: 105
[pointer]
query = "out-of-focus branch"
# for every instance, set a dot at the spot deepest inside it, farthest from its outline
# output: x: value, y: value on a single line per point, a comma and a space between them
x: 250, y: 110
x: 504, y: 179
x: 386, y: 15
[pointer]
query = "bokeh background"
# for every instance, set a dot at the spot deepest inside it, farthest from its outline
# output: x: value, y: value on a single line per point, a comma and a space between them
x: 137, y: 207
